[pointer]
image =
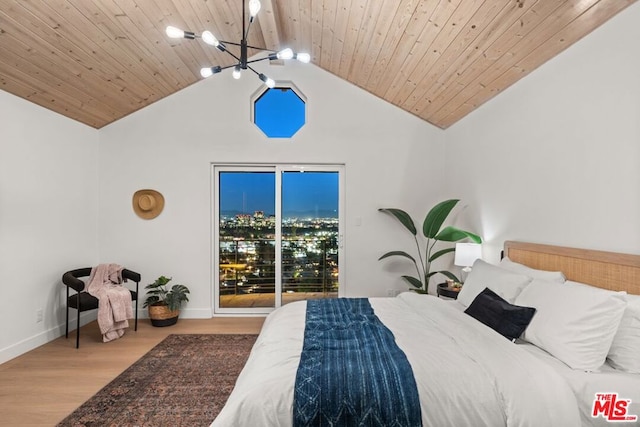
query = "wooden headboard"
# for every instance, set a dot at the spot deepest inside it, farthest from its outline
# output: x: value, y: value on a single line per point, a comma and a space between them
x: 608, y: 270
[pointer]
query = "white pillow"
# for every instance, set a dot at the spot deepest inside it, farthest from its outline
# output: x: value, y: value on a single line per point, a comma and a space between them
x: 551, y: 276
x: 574, y: 322
x: 505, y: 283
x: 624, y: 353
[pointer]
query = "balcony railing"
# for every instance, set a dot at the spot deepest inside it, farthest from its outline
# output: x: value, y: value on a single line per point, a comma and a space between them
x: 308, y: 265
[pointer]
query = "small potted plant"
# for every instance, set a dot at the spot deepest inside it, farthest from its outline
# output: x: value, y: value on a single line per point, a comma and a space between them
x: 163, y: 302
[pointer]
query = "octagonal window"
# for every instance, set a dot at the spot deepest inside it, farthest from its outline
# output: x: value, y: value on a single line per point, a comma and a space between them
x: 279, y: 112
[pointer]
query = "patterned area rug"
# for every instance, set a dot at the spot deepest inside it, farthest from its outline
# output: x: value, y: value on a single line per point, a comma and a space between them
x: 183, y: 381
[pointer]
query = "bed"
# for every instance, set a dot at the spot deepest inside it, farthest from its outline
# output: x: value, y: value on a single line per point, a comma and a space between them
x: 468, y: 374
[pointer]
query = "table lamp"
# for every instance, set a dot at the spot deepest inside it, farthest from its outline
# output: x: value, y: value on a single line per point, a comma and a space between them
x: 466, y: 254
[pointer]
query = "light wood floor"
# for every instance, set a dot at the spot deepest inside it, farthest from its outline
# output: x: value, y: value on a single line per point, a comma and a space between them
x: 41, y: 387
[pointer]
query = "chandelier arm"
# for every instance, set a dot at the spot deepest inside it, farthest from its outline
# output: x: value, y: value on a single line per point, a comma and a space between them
x: 249, y: 46
x: 232, y: 43
x: 262, y: 49
x: 257, y: 60
x: 246, y: 34
x: 242, y: 60
x: 229, y: 66
x: 250, y: 68
x: 232, y: 54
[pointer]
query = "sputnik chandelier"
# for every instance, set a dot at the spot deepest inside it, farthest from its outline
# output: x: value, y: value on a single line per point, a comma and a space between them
x: 243, y: 62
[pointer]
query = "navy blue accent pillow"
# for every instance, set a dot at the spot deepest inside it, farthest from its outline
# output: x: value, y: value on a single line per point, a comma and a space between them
x: 507, y: 319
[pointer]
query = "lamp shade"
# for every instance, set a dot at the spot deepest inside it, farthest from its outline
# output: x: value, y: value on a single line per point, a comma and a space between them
x: 467, y: 253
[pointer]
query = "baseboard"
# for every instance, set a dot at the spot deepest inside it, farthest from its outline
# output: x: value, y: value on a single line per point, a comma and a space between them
x: 28, y: 344
x: 196, y: 313
x: 57, y: 331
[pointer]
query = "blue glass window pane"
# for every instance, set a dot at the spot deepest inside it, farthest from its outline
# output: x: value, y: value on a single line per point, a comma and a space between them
x: 279, y: 112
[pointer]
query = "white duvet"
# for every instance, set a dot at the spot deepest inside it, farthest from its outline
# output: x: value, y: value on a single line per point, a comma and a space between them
x: 586, y: 385
x: 467, y: 375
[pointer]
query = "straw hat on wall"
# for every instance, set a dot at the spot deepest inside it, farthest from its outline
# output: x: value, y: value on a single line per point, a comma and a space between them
x: 148, y: 204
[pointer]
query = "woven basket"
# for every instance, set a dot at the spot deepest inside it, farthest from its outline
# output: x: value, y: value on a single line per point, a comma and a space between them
x: 160, y: 315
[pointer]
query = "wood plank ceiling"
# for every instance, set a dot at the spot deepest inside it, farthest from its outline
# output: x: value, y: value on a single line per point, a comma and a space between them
x: 96, y: 61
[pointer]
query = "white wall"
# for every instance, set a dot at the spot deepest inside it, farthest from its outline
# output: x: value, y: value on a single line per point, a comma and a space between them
x: 392, y: 159
x: 48, y: 207
x: 555, y: 158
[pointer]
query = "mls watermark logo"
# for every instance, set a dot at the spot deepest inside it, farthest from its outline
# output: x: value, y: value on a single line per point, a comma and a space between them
x: 612, y: 408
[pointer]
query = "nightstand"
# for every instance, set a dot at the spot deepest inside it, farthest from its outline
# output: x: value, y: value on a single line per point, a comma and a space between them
x: 445, y: 291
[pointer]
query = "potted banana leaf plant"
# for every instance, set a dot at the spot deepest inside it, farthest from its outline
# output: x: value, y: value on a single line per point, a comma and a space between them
x: 433, y: 232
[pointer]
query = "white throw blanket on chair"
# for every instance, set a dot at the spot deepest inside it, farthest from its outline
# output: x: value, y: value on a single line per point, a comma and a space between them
x: 114, y: 306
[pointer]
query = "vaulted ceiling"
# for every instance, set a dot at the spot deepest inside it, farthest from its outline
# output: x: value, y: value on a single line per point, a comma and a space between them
x: 96, y: 61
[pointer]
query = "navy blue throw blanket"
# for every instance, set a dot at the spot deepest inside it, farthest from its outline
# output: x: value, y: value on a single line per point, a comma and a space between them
x: 351, y: 371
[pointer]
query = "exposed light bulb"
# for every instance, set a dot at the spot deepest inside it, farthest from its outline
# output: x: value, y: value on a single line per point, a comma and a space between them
x: 209, y: 71
x: 174, y: 33
x: 285, y: 54
x: 254, y: 7
x: 270, y: 83
x: 303, y: 57
x: 237, y: 73
x: 210, y: 39
x: 206, y: 72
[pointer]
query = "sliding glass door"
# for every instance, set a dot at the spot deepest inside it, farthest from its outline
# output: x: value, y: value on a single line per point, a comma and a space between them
x: 246, y: 237
x: 310, y: 234
x: 277, y: 235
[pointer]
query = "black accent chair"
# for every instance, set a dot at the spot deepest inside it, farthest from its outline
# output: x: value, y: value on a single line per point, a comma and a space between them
x: 83, y: 301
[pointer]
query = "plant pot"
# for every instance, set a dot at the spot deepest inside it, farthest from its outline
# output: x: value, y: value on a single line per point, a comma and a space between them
x: 160, y: 315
